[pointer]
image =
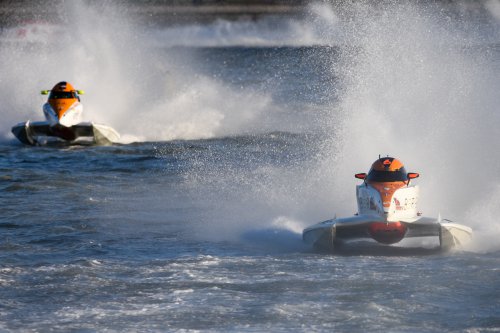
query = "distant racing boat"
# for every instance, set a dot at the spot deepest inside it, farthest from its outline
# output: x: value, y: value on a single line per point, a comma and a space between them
x: 63, y: 114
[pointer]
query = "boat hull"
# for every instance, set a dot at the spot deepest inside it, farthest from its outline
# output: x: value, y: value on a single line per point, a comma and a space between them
x: 35, y: 133
x: 331, y: 234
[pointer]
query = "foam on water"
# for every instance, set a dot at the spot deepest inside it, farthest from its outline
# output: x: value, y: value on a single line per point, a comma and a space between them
x: 318, y: 27
x: 483, y: 215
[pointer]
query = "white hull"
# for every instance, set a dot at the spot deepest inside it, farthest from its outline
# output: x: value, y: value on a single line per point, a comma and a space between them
x: 70, y: 118
x: 34, y: 133
x: 330, y: 234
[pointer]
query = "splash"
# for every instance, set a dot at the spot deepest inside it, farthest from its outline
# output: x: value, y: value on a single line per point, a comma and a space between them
x: 127, y: 70
x: 316, y: 28
x: 421, y: 85
x: 484, y: 215
x: 419, y: 82
x: 142, y: 90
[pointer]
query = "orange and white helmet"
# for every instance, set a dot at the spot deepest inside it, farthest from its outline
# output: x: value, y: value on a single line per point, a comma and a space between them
x: 387, y: 169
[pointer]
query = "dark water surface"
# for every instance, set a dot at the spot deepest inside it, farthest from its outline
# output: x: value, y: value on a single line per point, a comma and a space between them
x: 106, y: 238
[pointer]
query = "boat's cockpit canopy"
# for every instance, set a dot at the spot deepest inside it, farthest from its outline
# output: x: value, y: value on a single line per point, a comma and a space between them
x: 399, y: 175
x: 387, y: 169
x: 62, y: 94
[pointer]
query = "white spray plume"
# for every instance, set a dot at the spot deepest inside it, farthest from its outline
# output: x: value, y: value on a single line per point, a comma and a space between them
x: 137, y: 88
x: 419, y: 90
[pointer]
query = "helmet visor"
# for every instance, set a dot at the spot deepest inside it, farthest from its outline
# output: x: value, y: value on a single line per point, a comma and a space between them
x: 387, y: 176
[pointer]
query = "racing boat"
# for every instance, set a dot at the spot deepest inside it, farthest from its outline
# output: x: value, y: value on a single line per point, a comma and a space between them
x: 387, y: 213
x: 63, y: 114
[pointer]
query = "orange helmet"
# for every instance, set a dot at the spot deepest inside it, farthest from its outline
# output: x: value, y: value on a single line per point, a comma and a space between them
x: 387, y: 164
x: 63, y: 86
x: 387, y: 169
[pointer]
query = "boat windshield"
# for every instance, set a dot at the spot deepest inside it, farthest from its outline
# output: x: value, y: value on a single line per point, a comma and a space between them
x: 62, y: 94
x: 387, y: 176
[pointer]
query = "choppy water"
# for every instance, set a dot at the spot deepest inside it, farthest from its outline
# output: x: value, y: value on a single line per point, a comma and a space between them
x: 123, y: 239
x: 194, y: 222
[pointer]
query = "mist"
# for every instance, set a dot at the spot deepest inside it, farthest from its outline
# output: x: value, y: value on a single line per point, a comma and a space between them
x: 422, y: 86
x: 420, y: 83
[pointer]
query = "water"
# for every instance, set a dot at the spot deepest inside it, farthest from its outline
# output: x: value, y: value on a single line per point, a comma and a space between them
x: 193, y: 222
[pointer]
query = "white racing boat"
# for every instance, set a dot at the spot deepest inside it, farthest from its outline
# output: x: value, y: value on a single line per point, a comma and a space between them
x: 63, y: 114
x: 387, y: 213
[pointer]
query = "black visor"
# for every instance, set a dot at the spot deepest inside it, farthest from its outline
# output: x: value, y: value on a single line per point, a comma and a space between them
x: 61, y: 94
x: 387, y: 176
